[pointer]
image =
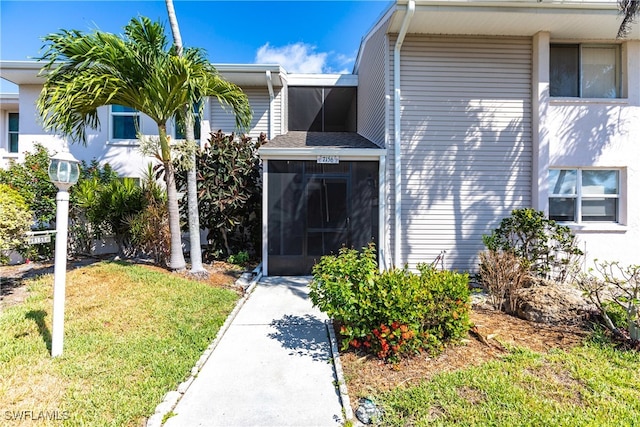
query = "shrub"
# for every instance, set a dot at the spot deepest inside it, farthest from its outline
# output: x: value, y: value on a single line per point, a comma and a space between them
x: 149, y: 228
x: 229, y: 194
x: 546, y: 248
x: 241, y: 258
x: 394, y: 313
x: 15, y: 220
x: 615, y: 290
x: 31, y: 179
x: 150, y: 234
x: 502, y: 274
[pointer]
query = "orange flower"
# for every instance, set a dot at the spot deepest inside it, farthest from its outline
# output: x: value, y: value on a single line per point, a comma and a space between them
x: 395, y: 325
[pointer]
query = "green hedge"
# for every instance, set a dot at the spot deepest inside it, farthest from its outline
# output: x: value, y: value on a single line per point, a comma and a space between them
x: 394, y: 313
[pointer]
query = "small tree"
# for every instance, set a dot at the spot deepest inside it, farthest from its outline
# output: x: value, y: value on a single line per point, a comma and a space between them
x: 15, y: 220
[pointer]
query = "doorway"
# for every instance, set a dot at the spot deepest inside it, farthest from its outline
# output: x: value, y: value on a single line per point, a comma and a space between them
x: 314, y: 209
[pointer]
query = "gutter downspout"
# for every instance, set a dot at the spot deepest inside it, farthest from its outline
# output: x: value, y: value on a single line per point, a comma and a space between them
x: 265, y: 182
x: 271, y: 98
x: 397, y: 161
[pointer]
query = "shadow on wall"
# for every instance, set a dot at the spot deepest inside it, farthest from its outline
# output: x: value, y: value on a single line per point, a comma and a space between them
x: 462, y: 180
x: 584, y: 132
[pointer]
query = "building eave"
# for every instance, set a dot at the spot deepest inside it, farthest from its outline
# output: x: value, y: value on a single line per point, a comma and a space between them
x: 563, y: 19
x: 22, y: 72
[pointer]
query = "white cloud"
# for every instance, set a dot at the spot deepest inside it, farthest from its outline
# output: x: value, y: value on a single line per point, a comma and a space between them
x: 295, y: 58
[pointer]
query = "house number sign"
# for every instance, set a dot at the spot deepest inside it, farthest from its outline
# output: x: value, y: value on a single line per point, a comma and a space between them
x: 332, y: 160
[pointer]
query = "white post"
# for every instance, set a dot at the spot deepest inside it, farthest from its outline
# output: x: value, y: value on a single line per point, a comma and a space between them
x: 60, y: 271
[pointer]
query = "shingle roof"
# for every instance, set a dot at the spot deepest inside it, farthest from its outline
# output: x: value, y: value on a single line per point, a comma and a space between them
x: 298, y: 139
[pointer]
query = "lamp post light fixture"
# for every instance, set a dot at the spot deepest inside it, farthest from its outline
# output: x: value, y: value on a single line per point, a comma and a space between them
x: 64, y: 171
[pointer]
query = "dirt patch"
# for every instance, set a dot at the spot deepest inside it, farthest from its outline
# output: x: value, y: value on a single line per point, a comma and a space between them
x: 493, y: 333
x: 13, y: 290
x: 13, y: 278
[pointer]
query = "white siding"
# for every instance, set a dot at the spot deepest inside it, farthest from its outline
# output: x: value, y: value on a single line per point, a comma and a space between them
x: 372, y: 89
x: 466, y: 138
x: 223, y: 118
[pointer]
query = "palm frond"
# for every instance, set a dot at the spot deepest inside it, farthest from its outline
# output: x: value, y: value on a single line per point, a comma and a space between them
x: 629, y: 9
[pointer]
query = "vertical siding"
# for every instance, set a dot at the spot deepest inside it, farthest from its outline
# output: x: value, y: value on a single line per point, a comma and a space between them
x: 372, y: 89
x: 224, y: 119
x: 466, y: 141
x: 373, y: 113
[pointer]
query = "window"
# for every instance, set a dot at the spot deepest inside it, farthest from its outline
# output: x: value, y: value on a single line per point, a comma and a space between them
x: 125, y: 122
x: 14, y: 122
x: 585, y: 71
x: 179, y: 128
x: 584, y: 195
x: 322, y: 109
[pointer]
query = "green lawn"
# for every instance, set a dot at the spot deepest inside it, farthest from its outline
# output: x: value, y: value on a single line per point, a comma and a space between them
x: 590, y: 385
x: 131, y: 334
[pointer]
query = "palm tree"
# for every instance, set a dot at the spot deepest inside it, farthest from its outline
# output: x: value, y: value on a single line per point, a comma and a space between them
x: 630, y: 10
x: 138, y: 70
x: 192, y: 184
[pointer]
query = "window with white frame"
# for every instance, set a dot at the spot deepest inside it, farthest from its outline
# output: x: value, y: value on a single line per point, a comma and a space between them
x: 13, y: 132
x: 125, y: 122
x: 584, y: 195
x: 585, y: 71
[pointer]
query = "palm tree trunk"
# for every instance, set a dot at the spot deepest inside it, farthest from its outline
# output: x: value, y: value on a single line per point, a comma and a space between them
x: 176, y: 261
x: 192, y: 186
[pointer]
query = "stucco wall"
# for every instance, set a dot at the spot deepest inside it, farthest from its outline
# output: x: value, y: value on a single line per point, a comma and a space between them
x: 600, y: 133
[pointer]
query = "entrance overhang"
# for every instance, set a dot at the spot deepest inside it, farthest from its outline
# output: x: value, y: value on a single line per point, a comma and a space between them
x: 317, y: 147
x: 347, y: 154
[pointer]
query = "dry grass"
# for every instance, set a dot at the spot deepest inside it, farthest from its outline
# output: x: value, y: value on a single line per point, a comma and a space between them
x: 132, y: 333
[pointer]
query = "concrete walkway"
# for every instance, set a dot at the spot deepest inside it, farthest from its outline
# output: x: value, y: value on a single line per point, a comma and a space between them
x: 272, y: 367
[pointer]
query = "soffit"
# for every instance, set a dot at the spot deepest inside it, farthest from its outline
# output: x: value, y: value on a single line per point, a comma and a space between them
x: 586, y: 20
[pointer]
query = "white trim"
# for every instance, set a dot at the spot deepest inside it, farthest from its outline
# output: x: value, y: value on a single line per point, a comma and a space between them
x: 397, y: 155
x: 382, y: 209
x: 270, y: 133
x: 347, y: 154
x: 588, y: 101
x: 265, y: 218
x: 323, y: 80
x: 620, y: 196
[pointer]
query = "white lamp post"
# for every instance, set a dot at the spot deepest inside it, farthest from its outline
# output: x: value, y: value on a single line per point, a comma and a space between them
x: 63, y: 172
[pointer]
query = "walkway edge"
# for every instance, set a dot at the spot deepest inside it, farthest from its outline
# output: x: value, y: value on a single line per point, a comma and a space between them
x: 171, y: 399
x: 337, y: 365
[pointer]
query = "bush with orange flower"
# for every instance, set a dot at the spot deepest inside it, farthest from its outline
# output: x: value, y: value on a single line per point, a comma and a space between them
x: 391, y: 314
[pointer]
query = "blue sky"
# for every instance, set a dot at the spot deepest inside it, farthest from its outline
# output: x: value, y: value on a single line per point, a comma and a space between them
x: 303, y: 36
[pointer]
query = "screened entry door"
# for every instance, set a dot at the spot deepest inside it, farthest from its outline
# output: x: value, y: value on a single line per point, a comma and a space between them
x: 314, y: 209
x: 327, y: 214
